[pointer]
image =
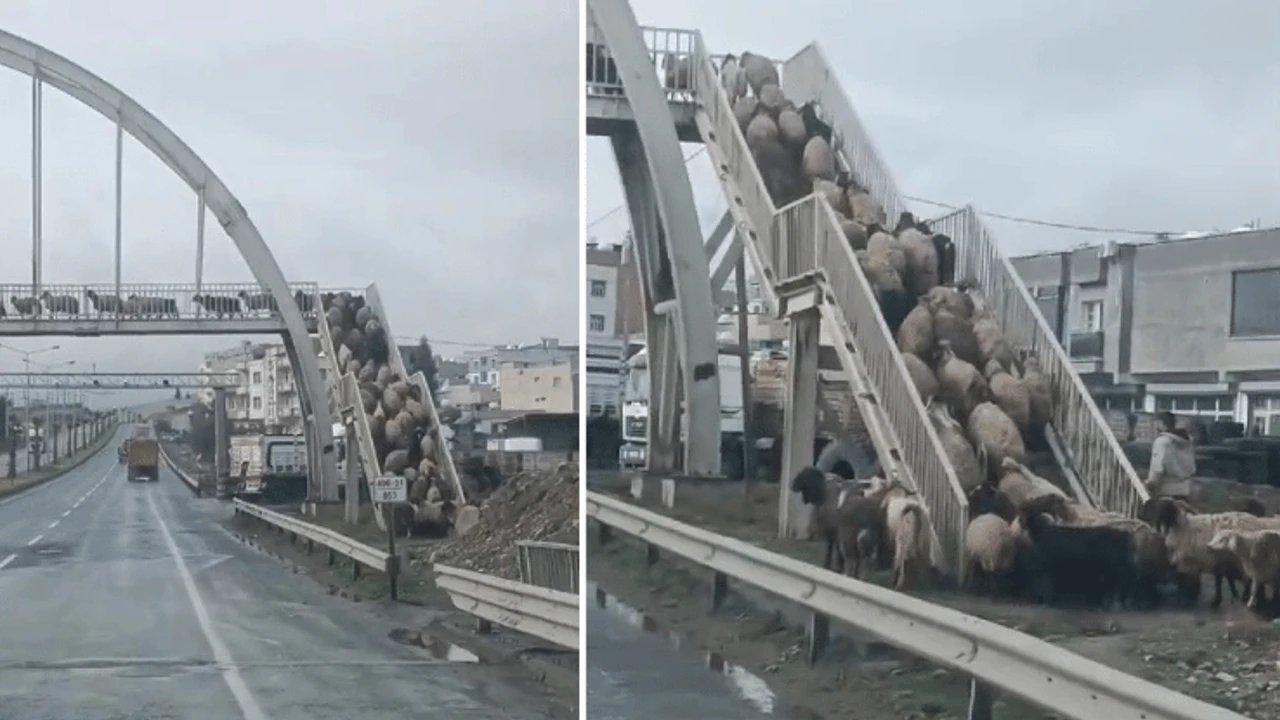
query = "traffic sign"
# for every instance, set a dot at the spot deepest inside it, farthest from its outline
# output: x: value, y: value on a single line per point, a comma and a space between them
x: 388, y: 489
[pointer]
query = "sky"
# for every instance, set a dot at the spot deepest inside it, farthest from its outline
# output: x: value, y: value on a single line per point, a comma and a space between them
x: 428, y: 147
x: 1145, y: 114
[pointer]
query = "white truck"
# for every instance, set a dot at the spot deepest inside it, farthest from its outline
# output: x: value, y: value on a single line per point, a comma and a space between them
x: 275, y: 464
x: 635, y: 414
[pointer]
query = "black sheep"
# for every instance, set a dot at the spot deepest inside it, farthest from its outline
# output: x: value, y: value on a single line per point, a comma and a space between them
x: 1087, y: 564
x: 987, y: 498
x: 813, y: 125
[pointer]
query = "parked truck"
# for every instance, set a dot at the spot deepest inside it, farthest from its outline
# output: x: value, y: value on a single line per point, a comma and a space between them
x: 269, y: 465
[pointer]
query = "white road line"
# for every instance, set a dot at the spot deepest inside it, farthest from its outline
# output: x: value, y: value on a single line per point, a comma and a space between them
x: 6, y: 561
x: 54, y: 524
x: 66, y: 513
x: 230, y: 671
x: 34, y: 540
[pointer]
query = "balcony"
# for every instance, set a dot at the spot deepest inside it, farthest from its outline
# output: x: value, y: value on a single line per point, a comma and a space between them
x: 1086, y: 351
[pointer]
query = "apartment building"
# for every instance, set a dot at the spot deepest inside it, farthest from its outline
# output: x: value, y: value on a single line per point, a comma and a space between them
x: 266, y: 394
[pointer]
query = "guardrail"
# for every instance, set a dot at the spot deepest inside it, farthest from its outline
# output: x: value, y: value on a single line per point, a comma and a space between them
x: 992, y: 655
x: 186, y: 479
x: 337, y: 543
x: 548, y: 614
x: 548, y: 564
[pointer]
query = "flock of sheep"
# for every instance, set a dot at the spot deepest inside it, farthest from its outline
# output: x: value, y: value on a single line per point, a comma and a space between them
x: 137, y: 306
x: 989, y: 404
x: 401, y: 425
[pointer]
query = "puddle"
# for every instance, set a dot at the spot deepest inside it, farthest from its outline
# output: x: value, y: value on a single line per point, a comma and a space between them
x: 749, y: 686
x: 436, y: 647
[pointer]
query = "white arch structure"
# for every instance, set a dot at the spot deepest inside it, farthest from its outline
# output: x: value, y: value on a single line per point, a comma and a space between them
x: 46, y: 67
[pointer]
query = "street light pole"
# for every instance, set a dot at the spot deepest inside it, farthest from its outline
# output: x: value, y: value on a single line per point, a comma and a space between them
x: 26, y: 411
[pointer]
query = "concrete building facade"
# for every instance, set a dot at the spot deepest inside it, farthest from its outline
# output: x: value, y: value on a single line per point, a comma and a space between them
x: 1190, y: 324
x: 549, y: 388
x: 612, y: 308
x: 267, y: 392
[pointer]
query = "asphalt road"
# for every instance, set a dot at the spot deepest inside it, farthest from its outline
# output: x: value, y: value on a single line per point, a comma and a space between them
x: 634, y: 674
x: 129, y: 600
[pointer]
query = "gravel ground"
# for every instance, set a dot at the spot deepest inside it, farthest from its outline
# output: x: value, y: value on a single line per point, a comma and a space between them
x: 1228, y: 657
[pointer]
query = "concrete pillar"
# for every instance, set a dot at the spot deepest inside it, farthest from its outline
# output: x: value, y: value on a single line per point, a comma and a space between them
x: 352, y: 508
x: 664, y: 397
x: 221, y: 443
x: 800, y: 420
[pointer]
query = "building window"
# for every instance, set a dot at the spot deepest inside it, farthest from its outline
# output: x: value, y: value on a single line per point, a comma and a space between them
x: 257, y: 403
x: 1266, y: 413
x: 1209, y: 407
x: 1255, y: 303
x: 597, y: 323
x: 257, y: 378
x: 555, y: 382
x: 599, y: 288
x: 1092, y: 311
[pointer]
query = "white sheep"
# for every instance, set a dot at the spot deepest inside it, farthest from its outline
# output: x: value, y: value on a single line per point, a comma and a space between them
x: 992, y: 545
x: 907, y: 525
x: 1259, y: 554
x: 915, y: 335
x: 1010, y: 394
x: 961, y: 385
x: 863, y: 208
x: 964, y: 460
x: 922, y: 377
x: 760, y: 71
x: 991, y: 431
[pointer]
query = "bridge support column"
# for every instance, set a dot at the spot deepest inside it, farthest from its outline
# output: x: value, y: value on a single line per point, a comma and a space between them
x: 668, y: 240
x: 352, y: 513
x: 799, y: 424
x: 221, y: 444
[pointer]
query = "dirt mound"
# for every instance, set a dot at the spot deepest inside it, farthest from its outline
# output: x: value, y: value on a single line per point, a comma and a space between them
x: 530, y: 506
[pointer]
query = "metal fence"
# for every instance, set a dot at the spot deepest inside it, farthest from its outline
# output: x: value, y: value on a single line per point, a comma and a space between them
x: 548, y: 564
x: 147, y: 301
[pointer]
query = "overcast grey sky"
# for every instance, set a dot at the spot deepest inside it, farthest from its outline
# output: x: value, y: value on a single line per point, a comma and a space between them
x: 430, y: 147
x: 1159, y: 114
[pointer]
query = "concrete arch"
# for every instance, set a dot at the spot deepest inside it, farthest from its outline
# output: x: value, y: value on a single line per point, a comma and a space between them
x: 662, y: 210
x: 50, y: 68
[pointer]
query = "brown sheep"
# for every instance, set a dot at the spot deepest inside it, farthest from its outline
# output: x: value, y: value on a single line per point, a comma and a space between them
x: 854, y: 233
x: 951, y: 435
x: 744, y: 109
x: 991, y: 430
x: 792, y: 132
x: 922, y: 261
x: 762, y: 129
x: 921, y: 376
x: 991, y: 342
x: 760, y: 71
x: 818, y: 161
x: 956, y: 330
x: 916, y: 332
x: 950, y: 299
x: 772, y: 99
x: 834, y: 195
x: 864, y: 208
x: 1009, y: 394
x: 961, y: 385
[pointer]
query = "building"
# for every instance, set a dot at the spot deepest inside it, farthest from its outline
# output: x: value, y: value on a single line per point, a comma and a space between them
x: 612, y: 305
x: 483, y: 365
x: 551, y: 388
x: 1189, y: 324
x: 266, y: 395
x: 469, y: 396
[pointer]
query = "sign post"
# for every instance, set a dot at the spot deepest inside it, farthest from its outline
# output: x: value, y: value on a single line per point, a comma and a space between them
x: 386, y: 491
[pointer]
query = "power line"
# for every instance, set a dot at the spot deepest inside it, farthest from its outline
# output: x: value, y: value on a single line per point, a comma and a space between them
x: 619, y: 206
x: 1048, y: 223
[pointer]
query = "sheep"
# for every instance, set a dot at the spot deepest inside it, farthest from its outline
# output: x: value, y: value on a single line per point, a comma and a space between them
x: 961, y: 385
x: 733, y: 78
x: 854, y: 234
x: 813, y: 124
x: 951, y: 434
x: 886, y: 283
x: 922, y: 260
x: 915, y: 335
x: 64, y: 304
x: 818, y: 161
x: 761, y: 130
x: 822, y: 492
x: 1258, y: 552
x: 1009, y: 394
x: 863, y: 208
x: 925, y: 382
x: 993, y: 433
x: 1251, y: 505
x: 834, y: 195
x: 1023, y: 487
x: 151, y: 306
x: 889, y: 246
x: 956, y: 330
x: 744, y: 109
x: 993, y: 546
x: 220, y: 305
x: 1187, y: 536
x: 1038, y: 393
x: 907, y: 525
x: 760, y: 71
x: 678, y: 71
x: 1093, y: 564
x: 104, y: 303
x: 772, y: 100
x: 26, y: 305
x: 987, y: 498
x: 791, y: 129
x: 950, y: 299
x: 304, y: 301
x: 259, y: 301
x: 859, y: 530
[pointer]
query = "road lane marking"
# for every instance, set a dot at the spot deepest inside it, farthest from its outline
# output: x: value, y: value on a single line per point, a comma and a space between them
x: 7, y: 560
x: 66, y: 513
x: 230, y: 671
x: 30, y: 491
x: 34, y: 540
x: 54, y: 524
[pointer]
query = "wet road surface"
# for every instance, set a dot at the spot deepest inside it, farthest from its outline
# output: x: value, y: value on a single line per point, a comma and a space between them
x: 634, y: 673
x: 129, y: 600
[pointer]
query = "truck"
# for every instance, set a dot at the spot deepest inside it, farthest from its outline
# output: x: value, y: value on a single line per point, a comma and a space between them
x: 143, y: 459
x: 633, y: 453
x: 274, y: 465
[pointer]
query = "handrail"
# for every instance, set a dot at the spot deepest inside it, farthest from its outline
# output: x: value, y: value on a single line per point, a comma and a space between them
x: 548, y: 614
x: 337, y: 543
x: 1095, y: 453
x: 1038, y: 672
x: 548, y: 564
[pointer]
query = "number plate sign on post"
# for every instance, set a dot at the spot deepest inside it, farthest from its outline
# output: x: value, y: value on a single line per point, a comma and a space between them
x: 388, y: 489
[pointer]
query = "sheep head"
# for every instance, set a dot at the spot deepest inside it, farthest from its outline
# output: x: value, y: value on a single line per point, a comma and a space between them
x: 811, y: 483
x: 1225, y: 540
x: 1168, y: 514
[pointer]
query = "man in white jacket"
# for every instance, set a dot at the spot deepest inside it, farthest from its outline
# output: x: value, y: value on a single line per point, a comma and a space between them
x: 1173, y: 460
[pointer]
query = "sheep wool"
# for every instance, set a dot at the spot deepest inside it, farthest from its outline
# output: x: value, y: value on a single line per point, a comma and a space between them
x: 772, y: 99
x: 744, y: 109
x: 761, y: 130
x: 1010, y: 395
x: 760, y: 71
x: 922, y: 261
x: 396, y: 462
x: 991, y: 430
x: 922, y: 377
x: 1038, y: 392
x: 818, y: 160
x: 915, y: 335
x: 887, y: 245
x: 951, y: 300
x: 854, y: 233
x: 962, y: 386
x: 992, y: 544
x: 865, y: 210
x: 959, y: 333
x: 834, y: 195
x: 951, y: 435
x: 791, y: 128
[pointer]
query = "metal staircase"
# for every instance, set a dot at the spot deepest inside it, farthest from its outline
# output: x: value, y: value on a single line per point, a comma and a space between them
x: 807, y: 266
